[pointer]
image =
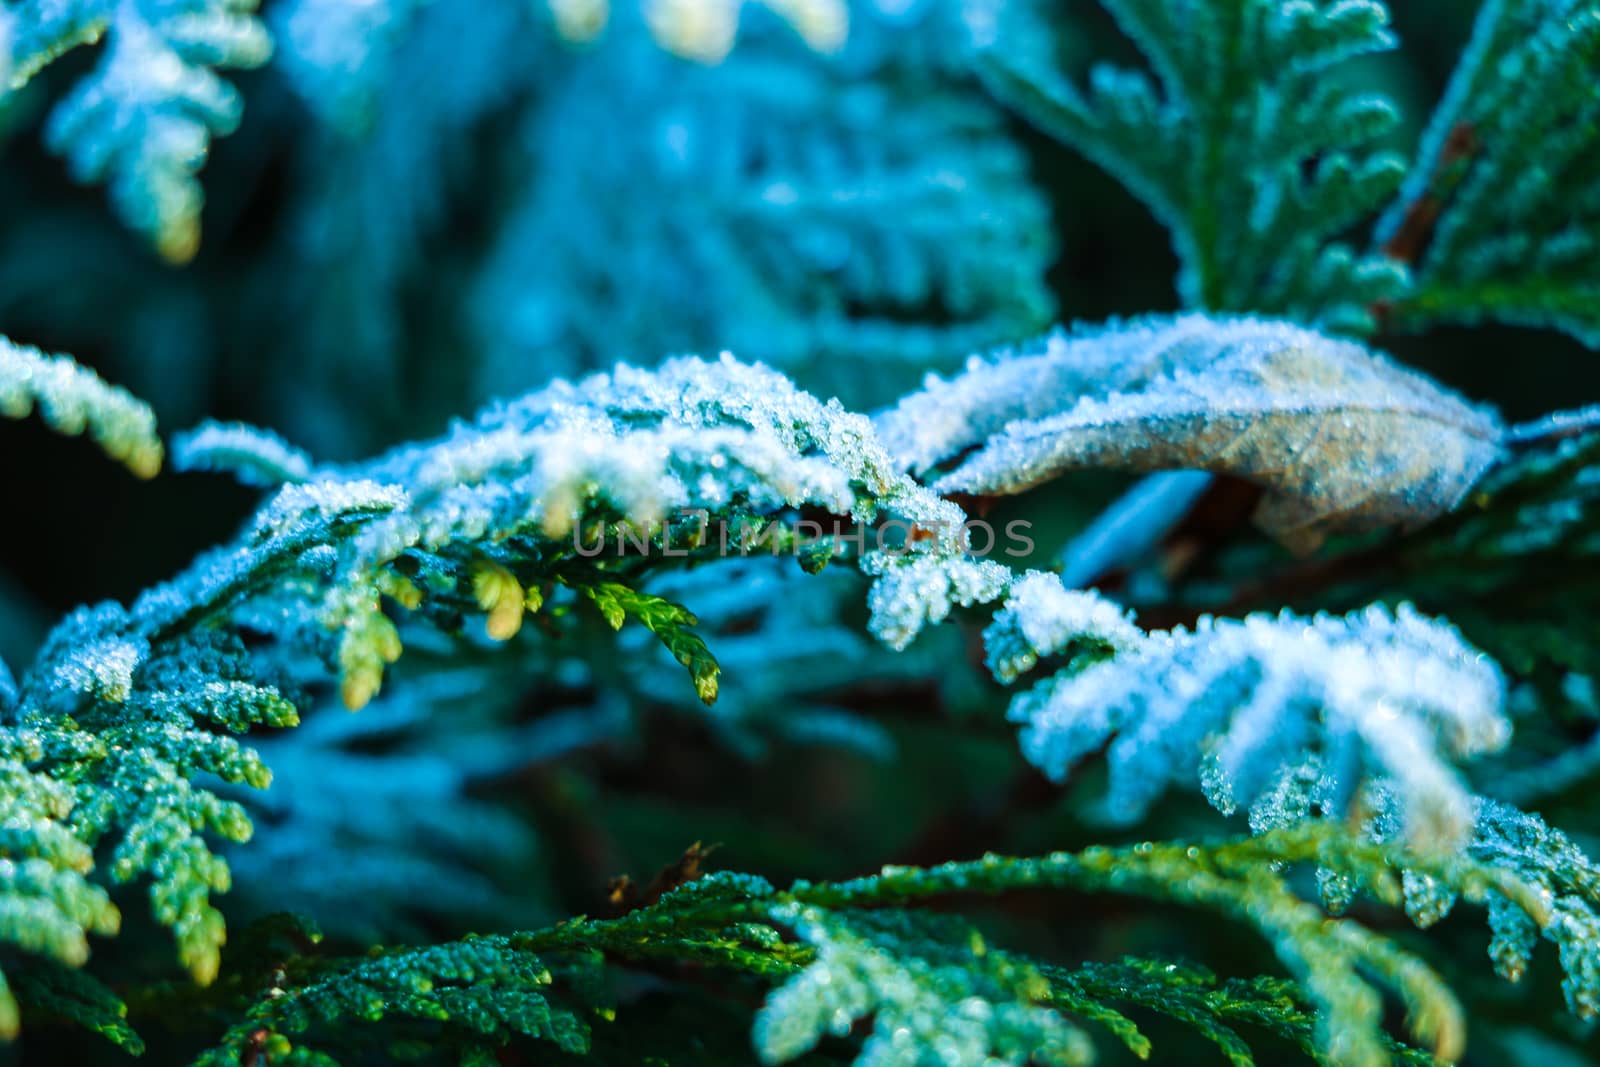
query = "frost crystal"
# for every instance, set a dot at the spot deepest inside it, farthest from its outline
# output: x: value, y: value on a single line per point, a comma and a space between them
x: 914, y: 591
x: 1374, y: 692
x: 1563, y: 876
x: 254, y: 456
x: 1041, y: 618
x: 1340, y: 437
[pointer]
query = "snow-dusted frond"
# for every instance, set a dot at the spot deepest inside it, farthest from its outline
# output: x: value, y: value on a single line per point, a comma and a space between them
x: 640, y: 445
x: 73, y: 399
x: 252, y: 455
x: 143, y: 120
x: 1547, y: 888
x: 133, y: 705
x: 1042, y: 617
x: 913, y: 591
x: 1565, y: 877
x: 1231, y: 702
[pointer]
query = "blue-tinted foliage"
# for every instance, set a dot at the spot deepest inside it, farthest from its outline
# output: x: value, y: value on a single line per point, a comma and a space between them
x: 450, y: 677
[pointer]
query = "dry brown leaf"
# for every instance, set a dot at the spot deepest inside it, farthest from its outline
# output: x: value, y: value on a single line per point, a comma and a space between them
x: 1339, y: 436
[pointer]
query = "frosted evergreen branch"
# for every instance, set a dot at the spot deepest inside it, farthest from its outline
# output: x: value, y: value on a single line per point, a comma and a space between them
x: 1567, y: 882
x: 1535, y: 882
x: 836, y: 195
x: 487, y: 521
x: 143, y: 120
x: 37, y: 34
x: 783, y: 219
x: 1492, y: 237
x: 254, y: 456
x: 1246, y: 144
x: 74, y: 400
x: 838, y: 951
x: 1231, y: 703
x: 136, y: 707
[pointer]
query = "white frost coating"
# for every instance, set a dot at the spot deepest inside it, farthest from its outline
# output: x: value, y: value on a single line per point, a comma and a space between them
x: 254, y: 456
x: 558, y: 465
x: 1042, y: 617
x: 102, y: 668
x: 691, y: 434
x: 294, y: 504
x: 1336, y: 433
x: 1039, y: 380
x: 73, y: 399
x: 1379, y: 693
x: 917, y: 590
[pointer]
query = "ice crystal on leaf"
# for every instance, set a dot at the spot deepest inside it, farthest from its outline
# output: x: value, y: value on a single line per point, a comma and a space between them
x: 1042, y: 617
x: 914, y: 591
x: 1339, y: 436
x: 1566, y: 878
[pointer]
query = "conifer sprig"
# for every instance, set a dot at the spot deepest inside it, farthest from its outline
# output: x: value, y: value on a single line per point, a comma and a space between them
x: 833, y: 953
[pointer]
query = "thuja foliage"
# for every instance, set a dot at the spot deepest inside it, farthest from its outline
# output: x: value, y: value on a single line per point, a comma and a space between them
x: 1205, y: 770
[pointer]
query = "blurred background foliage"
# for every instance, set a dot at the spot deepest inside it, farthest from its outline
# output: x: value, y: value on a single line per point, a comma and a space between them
x: 429, y: 204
